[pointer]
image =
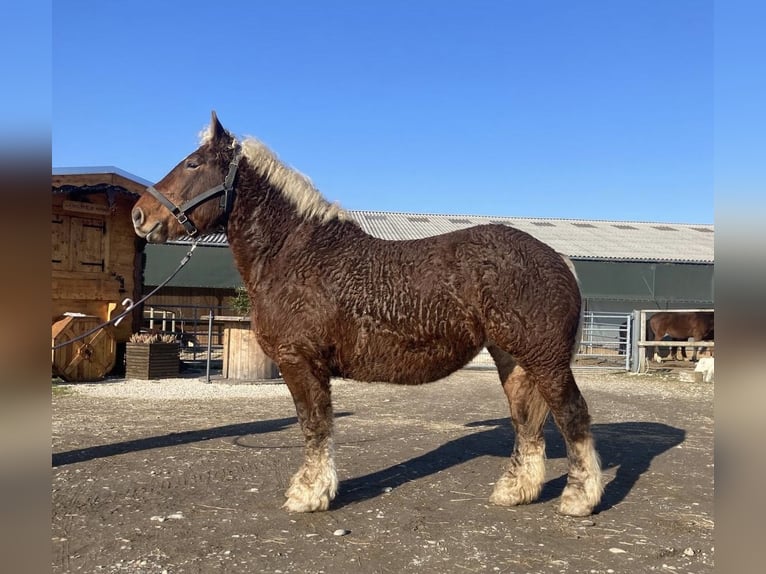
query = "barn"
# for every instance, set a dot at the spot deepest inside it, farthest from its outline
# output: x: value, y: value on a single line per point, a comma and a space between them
x: 96, y: 258
x: 622, y: 265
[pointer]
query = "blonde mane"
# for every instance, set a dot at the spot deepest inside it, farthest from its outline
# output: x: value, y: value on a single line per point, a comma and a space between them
x: 296, y: 187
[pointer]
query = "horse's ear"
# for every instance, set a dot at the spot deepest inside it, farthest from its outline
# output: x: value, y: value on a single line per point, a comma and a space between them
x: 216, y: 129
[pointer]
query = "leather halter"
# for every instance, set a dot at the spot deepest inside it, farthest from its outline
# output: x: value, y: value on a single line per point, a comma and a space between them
x: 226, y: 190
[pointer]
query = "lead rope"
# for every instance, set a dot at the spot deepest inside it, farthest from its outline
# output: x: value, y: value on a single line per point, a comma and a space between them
x: 131, y: 305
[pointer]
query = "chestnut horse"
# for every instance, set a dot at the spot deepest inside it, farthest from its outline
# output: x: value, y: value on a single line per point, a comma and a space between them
x: 680, y: 326
x: 328, y: 300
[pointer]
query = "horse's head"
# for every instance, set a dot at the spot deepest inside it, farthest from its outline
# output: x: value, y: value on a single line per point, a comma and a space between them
x: 195, y: 195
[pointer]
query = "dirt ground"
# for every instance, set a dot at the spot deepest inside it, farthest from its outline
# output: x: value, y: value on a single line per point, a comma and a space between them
x: 194, y: 485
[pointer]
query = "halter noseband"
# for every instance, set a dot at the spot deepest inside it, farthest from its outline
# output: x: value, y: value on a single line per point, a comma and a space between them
x: 226, y: 189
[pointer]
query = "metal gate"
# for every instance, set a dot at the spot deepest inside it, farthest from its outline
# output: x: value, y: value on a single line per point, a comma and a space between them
x: 605, y: 343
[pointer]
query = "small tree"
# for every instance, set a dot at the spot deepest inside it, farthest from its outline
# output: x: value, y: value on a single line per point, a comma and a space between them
x: 241, y: 301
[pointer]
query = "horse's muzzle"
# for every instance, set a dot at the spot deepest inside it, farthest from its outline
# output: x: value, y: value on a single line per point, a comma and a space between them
x: 153, y: 234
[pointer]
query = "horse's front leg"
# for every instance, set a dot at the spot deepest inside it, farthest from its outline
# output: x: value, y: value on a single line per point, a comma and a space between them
x: 316, y: 482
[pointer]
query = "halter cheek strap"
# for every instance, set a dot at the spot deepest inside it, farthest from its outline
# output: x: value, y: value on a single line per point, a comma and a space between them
x: 226, y: 190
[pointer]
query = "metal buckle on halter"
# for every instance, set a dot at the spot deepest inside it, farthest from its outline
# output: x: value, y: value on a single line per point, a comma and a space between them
x: 191, y: 229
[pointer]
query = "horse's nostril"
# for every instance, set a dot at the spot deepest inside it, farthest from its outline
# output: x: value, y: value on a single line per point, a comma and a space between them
x: 138, y: 216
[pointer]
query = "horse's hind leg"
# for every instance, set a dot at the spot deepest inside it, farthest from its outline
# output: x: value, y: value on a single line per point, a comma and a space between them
x: 316, y: 482
x: 522, y: 481
x: 570, y: 412
x: 695, y: 350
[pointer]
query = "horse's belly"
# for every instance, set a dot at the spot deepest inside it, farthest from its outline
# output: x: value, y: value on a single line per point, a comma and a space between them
x: 407, y: 361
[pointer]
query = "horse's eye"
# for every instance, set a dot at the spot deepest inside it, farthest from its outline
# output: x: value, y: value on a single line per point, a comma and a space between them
x: 191, y: 164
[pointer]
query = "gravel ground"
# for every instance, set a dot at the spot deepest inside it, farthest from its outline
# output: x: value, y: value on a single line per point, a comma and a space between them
x: 187, y: 388
x: 180, y: 476
x: 194, y: 387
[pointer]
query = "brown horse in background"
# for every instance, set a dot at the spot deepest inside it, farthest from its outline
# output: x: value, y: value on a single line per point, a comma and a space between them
x: 330, y: 300
x: 680, y: 326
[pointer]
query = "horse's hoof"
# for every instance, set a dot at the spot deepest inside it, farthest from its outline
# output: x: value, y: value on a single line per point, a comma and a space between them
x: 575, y: 510
x: 509, y: 491
x: 506, y: 499
x: 576, y: 501
x: 296, y: 504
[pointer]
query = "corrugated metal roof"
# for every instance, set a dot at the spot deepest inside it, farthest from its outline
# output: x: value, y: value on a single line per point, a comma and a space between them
x: 577, y: 238
x: 211, y: 240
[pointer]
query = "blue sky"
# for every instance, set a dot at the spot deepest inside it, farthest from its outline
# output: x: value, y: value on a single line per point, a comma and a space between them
x: 588, y: 109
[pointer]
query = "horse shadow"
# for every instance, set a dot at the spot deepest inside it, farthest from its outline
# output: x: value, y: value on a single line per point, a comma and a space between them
x: 174, y: 439
x: 629, y: 447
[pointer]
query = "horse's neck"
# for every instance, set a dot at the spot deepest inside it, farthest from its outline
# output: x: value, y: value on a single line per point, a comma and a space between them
x: 263, y: 223
x: 257, y: 227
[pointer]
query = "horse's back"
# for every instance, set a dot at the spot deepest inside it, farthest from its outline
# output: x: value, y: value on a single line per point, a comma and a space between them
x: 682, y: 324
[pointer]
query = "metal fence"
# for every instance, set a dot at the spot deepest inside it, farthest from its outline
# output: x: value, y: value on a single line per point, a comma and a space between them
x: 200, y: 335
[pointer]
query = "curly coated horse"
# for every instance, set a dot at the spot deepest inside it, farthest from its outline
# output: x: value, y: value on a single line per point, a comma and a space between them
x: 329, y: 300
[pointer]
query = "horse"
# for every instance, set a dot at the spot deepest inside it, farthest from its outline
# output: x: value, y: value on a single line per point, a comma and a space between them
x: 680, y: 326
x: 329, y: 300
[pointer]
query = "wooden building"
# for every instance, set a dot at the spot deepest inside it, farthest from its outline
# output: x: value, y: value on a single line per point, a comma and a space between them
x: 96, y: 257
